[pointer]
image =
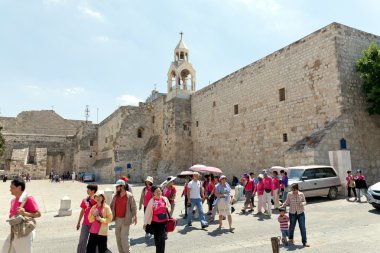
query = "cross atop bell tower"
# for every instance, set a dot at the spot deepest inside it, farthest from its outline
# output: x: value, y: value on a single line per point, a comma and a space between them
x: 181, y: 74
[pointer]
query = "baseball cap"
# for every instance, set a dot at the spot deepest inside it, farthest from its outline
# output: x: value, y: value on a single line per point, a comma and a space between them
x: 120, y: 182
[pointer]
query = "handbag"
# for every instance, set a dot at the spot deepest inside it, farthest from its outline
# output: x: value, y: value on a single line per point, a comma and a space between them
x: 20, y: 225
x: 171, y: 223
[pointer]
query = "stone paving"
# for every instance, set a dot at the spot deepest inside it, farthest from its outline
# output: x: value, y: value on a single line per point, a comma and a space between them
x: 332, y: 226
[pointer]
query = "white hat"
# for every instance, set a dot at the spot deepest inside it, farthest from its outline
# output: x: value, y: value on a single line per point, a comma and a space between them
x: 120, y: 182
x: 170, y: 179
x: 222, y: 176
x: 149, y: 179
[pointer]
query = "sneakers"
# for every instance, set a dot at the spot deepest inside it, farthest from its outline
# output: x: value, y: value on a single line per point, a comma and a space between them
x: 204, y: 226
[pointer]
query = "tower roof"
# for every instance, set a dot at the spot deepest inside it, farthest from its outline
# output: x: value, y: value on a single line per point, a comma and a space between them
x: 181, y: 45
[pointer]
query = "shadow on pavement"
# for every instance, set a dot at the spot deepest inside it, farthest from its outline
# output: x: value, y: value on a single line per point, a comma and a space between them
x: 374, y: 211
x: 291, y: 247
x: 142, y: 240
x: 219, y: 232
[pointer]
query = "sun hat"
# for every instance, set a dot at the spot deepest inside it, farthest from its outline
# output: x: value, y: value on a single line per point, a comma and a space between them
x: 222, y: 177
x: 149, y: 179
x: 265, y: 172
x: 100, y: 192
x: 261, y: 176
x: 120, y: 182
x: 196, y: 173
x: 170, y: 179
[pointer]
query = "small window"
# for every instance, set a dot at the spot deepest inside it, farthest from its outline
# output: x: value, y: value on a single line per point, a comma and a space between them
x: 196, y: 123
x: 91, y: 143
x: 106, y: 140
x: 213, y: 104
x: 185, y: 127
x: 282, y: 94
x: 31, y: 160
x: 153, y: 119
x: 140, y: 132
x: 285, y: 137
x: 236, y: 109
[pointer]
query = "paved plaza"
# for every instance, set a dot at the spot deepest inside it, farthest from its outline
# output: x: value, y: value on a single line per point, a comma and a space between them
x: 332, y: 226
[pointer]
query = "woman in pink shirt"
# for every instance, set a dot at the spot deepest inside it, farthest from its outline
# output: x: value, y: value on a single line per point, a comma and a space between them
x: 276, y: 190
x: 350, y: 185
x: 249, y: 186
x: 146, y: 195
x: 100, y: 216
x: 260, y: 192
x: 156, y: 217
x: 170, y: 192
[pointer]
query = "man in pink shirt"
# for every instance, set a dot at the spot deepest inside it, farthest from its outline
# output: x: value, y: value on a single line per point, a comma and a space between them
x: 86, y: 205
x: 30, y: 209
x: 268, y: 193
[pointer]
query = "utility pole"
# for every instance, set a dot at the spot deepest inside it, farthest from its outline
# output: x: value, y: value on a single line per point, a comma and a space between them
x: 87, y: 113
x: 97, y: 115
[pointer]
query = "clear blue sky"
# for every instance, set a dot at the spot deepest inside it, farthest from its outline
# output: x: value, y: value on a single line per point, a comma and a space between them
x: 107, y: 53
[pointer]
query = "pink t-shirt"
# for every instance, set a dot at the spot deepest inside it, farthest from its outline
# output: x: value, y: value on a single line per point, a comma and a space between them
x: 95, y: 226
x: 148, y: 195
x: 159, y: 207
x: 259, y: 188
x: 30, y: 206
x: 86, y: 205
x: 169, y: 192
x: 276, y: 183
x: 249, y: 185
x: 268, y: 184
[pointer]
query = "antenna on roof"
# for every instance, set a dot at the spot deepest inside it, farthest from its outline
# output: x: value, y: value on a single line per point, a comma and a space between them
x: 52, y: 108
x: 87, y: 113
x: 181, y: 33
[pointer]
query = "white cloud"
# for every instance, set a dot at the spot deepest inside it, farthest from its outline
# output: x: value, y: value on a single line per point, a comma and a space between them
x: 88, y: 12
x: 101, y: 39
x: 73, y: 91
x: 129, y: 100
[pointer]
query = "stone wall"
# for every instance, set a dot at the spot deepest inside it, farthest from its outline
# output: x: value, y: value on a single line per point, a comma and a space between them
x: 20, y: 163
x: 252, y: 139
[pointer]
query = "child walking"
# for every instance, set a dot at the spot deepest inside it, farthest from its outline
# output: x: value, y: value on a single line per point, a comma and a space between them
x: 283, y: 219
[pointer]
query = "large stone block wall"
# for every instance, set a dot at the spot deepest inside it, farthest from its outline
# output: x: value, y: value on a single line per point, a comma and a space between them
x: 45, y: 122
x: 361, y: 131
x: 19, y: 163
x: 253, y: 139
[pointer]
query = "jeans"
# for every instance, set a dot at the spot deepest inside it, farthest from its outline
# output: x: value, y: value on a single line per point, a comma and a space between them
x: 349, y: 191
x: 83, y: 238
x: 294, y: 217
x: 284, y: 195
x: 359, y: 191
x: 198, y: 204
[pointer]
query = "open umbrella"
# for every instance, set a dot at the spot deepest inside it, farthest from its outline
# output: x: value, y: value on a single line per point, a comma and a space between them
x: 211, y: 170
x: 197, y: 167
x: 185, y: 173
x: 278, y: 169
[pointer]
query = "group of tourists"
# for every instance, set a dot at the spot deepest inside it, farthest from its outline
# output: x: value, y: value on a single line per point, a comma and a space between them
x: 159, y: 203
x: 357, y: 184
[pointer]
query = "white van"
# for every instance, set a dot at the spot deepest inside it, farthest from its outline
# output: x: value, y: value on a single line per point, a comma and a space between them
x: 315, y: 180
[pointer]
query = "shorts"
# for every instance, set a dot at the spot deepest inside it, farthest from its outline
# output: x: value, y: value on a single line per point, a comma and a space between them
x: 248, y: 196
x: 285, y: 233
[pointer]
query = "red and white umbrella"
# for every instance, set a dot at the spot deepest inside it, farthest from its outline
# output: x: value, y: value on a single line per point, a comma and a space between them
x: 197, y: 167
x: 211, y: 170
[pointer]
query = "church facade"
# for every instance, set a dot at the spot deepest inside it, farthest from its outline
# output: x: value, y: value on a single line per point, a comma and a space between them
x: 289, y: 108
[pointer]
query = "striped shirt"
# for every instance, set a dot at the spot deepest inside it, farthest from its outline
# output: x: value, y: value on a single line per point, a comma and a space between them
x: 284, y: 225
x: 296, y: 202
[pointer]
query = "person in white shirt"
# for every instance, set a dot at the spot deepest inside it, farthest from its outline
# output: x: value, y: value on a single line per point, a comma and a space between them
x: 195, y: 194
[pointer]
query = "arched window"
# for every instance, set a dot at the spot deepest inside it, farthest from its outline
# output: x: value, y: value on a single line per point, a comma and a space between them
x: 140, y: 132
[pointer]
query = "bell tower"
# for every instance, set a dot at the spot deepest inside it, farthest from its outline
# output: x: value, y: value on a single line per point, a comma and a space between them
x: 181, y: 74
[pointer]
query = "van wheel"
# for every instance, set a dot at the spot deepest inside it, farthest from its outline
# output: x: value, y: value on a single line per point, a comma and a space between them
x: 333, y: 193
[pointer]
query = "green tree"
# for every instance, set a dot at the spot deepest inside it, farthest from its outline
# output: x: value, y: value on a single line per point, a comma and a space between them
x: 2, y: 143
x: 369, y: 69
